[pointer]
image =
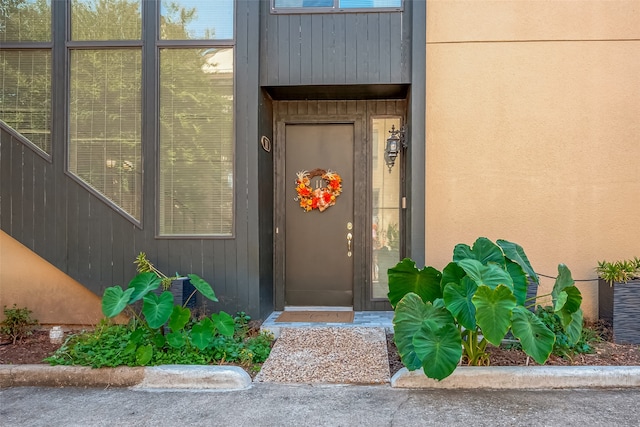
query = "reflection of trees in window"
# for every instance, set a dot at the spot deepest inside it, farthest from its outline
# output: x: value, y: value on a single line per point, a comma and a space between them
x: 25, y: 94
x: 196, y: 141
x: 104, y: 123
x: 209, y: 20
x: 105, y: 100
x: 25, y: 20
x: 25, y: 69
x: 106, y: 20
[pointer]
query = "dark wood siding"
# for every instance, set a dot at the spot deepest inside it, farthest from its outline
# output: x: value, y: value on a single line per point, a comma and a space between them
x: 334, y: 49
x: 49, y: 212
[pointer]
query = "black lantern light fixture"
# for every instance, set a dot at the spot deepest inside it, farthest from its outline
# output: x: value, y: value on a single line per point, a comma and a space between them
x: 395, y: 142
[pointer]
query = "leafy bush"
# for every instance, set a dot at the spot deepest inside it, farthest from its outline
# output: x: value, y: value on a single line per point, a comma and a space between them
x: 444, y: 318
x: 18, y: 322
x: 111, y: 345
x: 162, y: 332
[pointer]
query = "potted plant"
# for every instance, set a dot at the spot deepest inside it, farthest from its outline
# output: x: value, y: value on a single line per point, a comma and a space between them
x: 619, y: 298
x: 180, y: 286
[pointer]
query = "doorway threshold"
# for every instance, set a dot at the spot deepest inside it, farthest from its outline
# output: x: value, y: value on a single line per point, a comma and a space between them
x: 316, y: 308
x: 367, y: 319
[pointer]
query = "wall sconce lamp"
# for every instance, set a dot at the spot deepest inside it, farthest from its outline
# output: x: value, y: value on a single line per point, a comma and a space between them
x: 395, y: 142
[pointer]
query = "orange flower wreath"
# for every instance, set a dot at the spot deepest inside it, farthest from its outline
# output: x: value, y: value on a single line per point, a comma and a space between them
x: 320, y: 198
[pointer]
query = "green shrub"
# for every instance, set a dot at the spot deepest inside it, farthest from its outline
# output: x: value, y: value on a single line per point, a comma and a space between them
x: 444, y: 318
x: 18, y: 322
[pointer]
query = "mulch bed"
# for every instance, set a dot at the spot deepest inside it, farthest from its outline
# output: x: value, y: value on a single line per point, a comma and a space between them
x: 33, y: 349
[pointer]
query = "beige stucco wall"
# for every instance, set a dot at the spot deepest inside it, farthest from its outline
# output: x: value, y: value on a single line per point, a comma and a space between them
x: 54, y: 298
x: 533, y: 131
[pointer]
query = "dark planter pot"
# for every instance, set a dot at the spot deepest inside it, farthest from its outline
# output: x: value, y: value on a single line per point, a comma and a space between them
x: 181, y: 288
x: 619, y: 305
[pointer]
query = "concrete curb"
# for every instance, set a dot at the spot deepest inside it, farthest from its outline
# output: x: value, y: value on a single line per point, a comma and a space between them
x: 206, y: 377
x: 518, y: 377
x: 203, y: 377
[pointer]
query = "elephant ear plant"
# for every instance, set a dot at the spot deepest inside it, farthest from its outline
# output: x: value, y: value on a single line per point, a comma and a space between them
x: 159, y: 313
x: 446, y: 318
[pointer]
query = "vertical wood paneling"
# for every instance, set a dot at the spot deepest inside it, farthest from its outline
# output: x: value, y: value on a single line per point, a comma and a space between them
x: 72, y: 229
x: 270, y: 53
x: 18, y: 191
x: 336, y: 48
x: 384, y: 49
x: 6, y: 183
x: 104, y: 263
x: 306, y: 51
x: 317, y: 30
x: 283, y: 57
x: 362, y: 44
x: 39, y: 188
x: 27, y: 197
x: 328, y: 49
x: 373, y: 47
x: 82, y: 248
x: 350, y: 52
x: 339, y: 49
x: 295, y: 58
x: 96, y: 224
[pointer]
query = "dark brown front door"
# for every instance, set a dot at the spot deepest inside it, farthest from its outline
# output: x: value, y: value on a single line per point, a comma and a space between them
x: 319, y: 246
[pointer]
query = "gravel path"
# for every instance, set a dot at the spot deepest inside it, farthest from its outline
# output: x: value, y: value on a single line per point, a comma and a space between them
x: 328, y: 355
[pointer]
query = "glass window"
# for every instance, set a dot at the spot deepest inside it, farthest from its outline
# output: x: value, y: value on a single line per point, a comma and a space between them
x: 196, y: 20
x: 106, y: 20
x: 385, y: 209
x: 25, y: 94
x: 105, y: 123
x: 196, y: 141
x: 25, y: 20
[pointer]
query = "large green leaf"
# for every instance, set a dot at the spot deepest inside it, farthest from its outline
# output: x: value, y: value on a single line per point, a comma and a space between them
x: 144, y: 353
x: 569, y: 300
x: 452, y: 273
x: 536, y: 339
x: 493, y: 311
x: 142, y: 284
x: 520, y: 283
x: 179, y: 318
x: 114, y: 300
x: 202, y: 333
x: 405, y: 278
x: 176, y: 339
x: 489, y: 275
x: 408, y: 318
x: 439, y: 349
x: 224, y: 323
x: 202, y: 286
x: 157, y: 309
x: 457, y: 298
x: 573, y: 325
x: 515, y: 253
x: 484, y: 250
x: 564, y: 280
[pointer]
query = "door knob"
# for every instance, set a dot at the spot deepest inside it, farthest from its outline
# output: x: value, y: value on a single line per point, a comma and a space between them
x: 349, y: 238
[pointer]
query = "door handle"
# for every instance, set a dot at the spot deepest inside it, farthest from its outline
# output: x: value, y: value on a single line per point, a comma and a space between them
x: 349, y: 238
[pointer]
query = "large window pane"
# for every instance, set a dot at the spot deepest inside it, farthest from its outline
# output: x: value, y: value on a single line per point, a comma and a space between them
x: 25, y: 94
x: 196, y: 141
x: 25, y: 20
x: 104, y: 124
x: 386, y: 209
x: 196, y: 19
x: 106, y: 20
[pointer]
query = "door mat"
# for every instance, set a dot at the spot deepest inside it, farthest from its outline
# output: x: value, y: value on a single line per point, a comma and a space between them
x: 316, y: 316
x: 330, y: 355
